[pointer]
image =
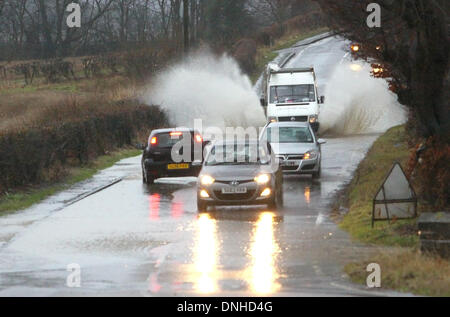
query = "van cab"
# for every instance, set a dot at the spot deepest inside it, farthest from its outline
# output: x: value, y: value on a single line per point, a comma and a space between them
x: 290, y: 94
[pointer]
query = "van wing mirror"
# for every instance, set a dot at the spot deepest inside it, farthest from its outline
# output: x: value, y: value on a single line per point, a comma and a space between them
x: 321, y: 141
x: 263, y: 102
x: 322, y: 99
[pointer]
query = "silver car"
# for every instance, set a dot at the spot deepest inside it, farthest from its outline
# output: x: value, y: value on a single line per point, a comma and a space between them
x: 239, y: 173
x: 295, y: 145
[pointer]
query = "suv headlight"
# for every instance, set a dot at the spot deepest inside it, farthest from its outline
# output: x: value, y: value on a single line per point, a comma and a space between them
x: 262, y: 179
x: 310, y: 155
x: 206, y: 180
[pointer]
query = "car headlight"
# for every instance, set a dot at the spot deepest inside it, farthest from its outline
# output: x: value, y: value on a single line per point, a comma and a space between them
x: 262, y: 179
x: 313, y: 118
x: 272, y: 119
x: 206, y: 180
x: 310, y: 155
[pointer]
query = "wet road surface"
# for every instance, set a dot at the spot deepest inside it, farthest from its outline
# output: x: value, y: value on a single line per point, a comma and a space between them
x: 131, y: 239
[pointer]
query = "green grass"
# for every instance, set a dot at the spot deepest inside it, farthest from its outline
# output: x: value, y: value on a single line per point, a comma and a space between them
x: 403, y: 267
x: 266, y: 54
x: 389, y: 148
x: 67, y: 87
x: 406, y: 271
x: 18, y: 90
x: 25, y: 198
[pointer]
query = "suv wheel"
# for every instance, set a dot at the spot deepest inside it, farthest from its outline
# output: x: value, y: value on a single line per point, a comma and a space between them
x: 318, y: 173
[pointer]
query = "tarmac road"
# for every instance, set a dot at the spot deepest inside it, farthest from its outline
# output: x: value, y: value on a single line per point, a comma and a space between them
x: 130, y: 239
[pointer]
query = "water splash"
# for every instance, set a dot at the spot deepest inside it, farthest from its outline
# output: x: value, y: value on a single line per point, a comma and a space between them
x: 357, y: 103
x: 208, y: 87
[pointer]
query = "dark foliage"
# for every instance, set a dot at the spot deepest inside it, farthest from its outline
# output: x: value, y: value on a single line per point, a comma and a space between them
x: 27, y: 156
x: 412, y: 44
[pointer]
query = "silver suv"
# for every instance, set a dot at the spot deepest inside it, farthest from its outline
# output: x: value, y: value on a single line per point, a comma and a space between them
x: 295, y: 145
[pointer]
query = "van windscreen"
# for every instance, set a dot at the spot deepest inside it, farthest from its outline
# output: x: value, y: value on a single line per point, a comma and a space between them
x: 292, y: 93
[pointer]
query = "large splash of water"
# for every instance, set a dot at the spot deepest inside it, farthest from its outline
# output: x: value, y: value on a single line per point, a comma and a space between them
x: 208, y: 87
x: 358, y: 103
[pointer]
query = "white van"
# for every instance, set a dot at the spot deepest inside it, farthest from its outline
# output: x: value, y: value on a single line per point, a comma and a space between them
x: 290, y: 94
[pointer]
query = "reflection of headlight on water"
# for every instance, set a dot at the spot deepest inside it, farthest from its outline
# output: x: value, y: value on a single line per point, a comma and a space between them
x: 307, y: 194
x: 355, y: 67
x: 263, y: 253
x: 206, y: 255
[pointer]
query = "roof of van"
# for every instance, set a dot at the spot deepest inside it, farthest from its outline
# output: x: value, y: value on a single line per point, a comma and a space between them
x: 291, y: 78
x: 293, y: 70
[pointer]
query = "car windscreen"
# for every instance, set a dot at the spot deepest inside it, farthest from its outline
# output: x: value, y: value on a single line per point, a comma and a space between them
x: 237, y: 154
x: 292, y: 93
x: 169, y: 139
x: 289, y: 135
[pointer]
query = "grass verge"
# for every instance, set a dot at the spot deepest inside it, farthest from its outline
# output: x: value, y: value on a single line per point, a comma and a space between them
x: 266, y: 54
x: 368, y: 177
x: 22, y: 199
x: 407, y: 271
x: 403, y: 268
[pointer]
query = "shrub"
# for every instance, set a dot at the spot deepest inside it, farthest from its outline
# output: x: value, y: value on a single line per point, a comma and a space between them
x: 40, y: 153
x: 430, y: 172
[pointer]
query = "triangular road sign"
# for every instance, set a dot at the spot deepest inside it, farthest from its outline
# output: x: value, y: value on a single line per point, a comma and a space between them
x: 396, y: 198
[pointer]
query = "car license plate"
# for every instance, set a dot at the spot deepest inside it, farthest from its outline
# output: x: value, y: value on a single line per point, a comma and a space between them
x: 234, y: 190
x: 180, y: 166
x: 290, y: 163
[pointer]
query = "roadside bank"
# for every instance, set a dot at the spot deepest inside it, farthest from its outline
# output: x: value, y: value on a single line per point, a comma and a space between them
x: 403, y: 267
x: 23, y: 198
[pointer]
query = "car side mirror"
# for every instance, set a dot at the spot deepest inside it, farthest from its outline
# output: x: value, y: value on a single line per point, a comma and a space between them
x: 321, y: 141
x: 196, y: 163
x: 263, y: 102
x: 206, y: 143
x: 322, y: 99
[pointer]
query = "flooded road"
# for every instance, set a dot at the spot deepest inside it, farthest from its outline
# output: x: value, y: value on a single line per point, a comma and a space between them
x: 130, y: 239
x: 134, y: 239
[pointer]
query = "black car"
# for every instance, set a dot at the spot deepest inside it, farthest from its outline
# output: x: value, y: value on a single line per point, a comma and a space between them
x: 171, y: 153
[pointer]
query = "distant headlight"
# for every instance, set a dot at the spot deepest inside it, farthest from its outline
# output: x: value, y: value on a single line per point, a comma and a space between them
x: 262, y: 179
x: 310, y: 155
x: 272, y: 119
x: 207, y: 180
